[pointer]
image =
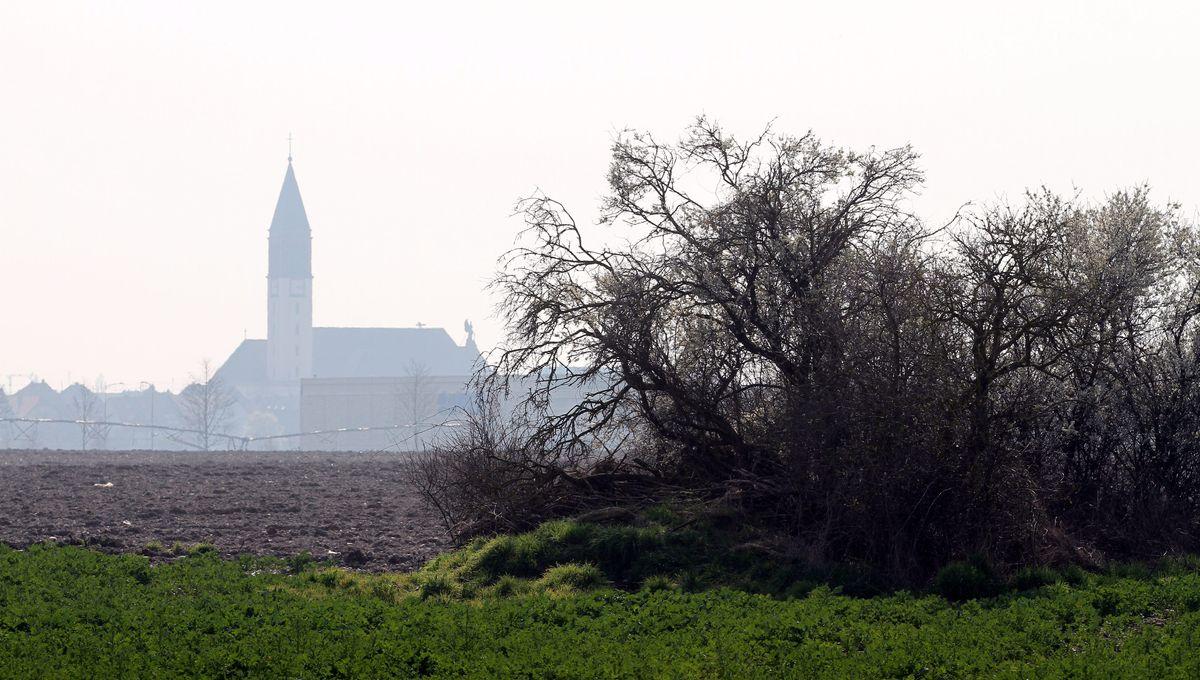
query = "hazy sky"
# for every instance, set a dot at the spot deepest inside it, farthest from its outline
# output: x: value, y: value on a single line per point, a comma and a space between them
x: 142, y: 144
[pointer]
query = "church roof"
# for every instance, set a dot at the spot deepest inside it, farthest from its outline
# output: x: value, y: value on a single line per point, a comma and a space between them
x: 361, y: 353
x: 290, y: 242
x: 387, y: 353
x: 247, y: 365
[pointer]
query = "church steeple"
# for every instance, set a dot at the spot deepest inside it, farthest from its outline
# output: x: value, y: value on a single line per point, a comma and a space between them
x: 290, y: 236
x: 289, y: 285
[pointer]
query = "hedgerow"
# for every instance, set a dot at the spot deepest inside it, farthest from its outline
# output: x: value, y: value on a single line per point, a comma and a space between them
x: 69, y: 612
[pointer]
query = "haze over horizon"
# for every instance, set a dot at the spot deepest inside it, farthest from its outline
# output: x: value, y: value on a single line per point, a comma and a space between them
x: 143, y: 144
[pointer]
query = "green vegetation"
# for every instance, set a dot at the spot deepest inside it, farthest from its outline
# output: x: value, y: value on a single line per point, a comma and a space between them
x: 176, y: 549
x: 621, y: 554
x: 543, y: 605
x: 649, y: 555
x: 970, y: 580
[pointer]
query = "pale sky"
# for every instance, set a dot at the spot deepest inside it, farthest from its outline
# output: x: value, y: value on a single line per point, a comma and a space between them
x: 142, y: 144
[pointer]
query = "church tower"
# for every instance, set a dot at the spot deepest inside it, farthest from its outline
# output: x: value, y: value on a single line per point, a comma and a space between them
x: 289, y: 286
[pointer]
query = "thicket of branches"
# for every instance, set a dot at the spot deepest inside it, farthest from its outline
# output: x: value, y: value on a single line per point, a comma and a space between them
x: 782, y: 335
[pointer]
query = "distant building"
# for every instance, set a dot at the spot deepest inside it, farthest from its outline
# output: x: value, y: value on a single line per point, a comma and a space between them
x: 304, y: 378
x: 51, y: 415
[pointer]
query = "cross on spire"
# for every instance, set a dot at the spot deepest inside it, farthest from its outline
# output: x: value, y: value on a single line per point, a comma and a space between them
x: 289, y: 147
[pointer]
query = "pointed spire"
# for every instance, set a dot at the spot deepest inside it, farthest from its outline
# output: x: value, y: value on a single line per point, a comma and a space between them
x: 290, y: 242
x: 289, y: 208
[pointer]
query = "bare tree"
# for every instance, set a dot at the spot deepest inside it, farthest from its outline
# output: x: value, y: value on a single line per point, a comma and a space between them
x: 102, y: 428
x: 776, y: 333
x: 206, y: 405
x: 87, y: 411
x: 6, y: 427
x: 413, y: 404
x: 420, y: 392
x: 720, y: 327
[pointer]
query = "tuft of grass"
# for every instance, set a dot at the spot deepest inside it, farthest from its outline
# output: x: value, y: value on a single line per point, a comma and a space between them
x: 203, y: 548
x: 507, y: 586
x: 179, y: 549
x: 573, y: 578
x: 436, y: 585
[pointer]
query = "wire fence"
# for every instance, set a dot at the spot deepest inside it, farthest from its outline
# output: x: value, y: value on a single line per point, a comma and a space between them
x: 26, y: 434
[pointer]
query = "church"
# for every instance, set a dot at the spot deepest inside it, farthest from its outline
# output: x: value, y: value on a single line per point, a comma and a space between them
x: 389, y: 384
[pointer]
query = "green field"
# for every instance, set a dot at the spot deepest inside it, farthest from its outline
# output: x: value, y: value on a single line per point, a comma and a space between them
x: 70, y: 612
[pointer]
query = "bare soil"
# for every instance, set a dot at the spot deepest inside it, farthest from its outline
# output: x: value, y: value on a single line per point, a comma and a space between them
x: 353, y: 508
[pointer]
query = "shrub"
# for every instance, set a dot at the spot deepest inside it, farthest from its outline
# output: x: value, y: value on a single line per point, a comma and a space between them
x: 1135, y: 570
x: 140, y: 571
x: 799, y: 589
x: 1191, y: 602
x: 690, y: 581
x: 1180, y: 564
x: 959, y: 581
x: 1107, y: 602
x: 654, y: 584
x: 300, y: 563
x: 1074, y: 575
x: 1032, y: 578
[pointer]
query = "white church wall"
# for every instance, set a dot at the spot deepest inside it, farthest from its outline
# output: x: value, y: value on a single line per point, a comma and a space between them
x: 289, y: 329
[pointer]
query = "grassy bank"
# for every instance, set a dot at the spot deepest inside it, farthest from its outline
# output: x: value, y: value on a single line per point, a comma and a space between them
x: 69, y: 612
